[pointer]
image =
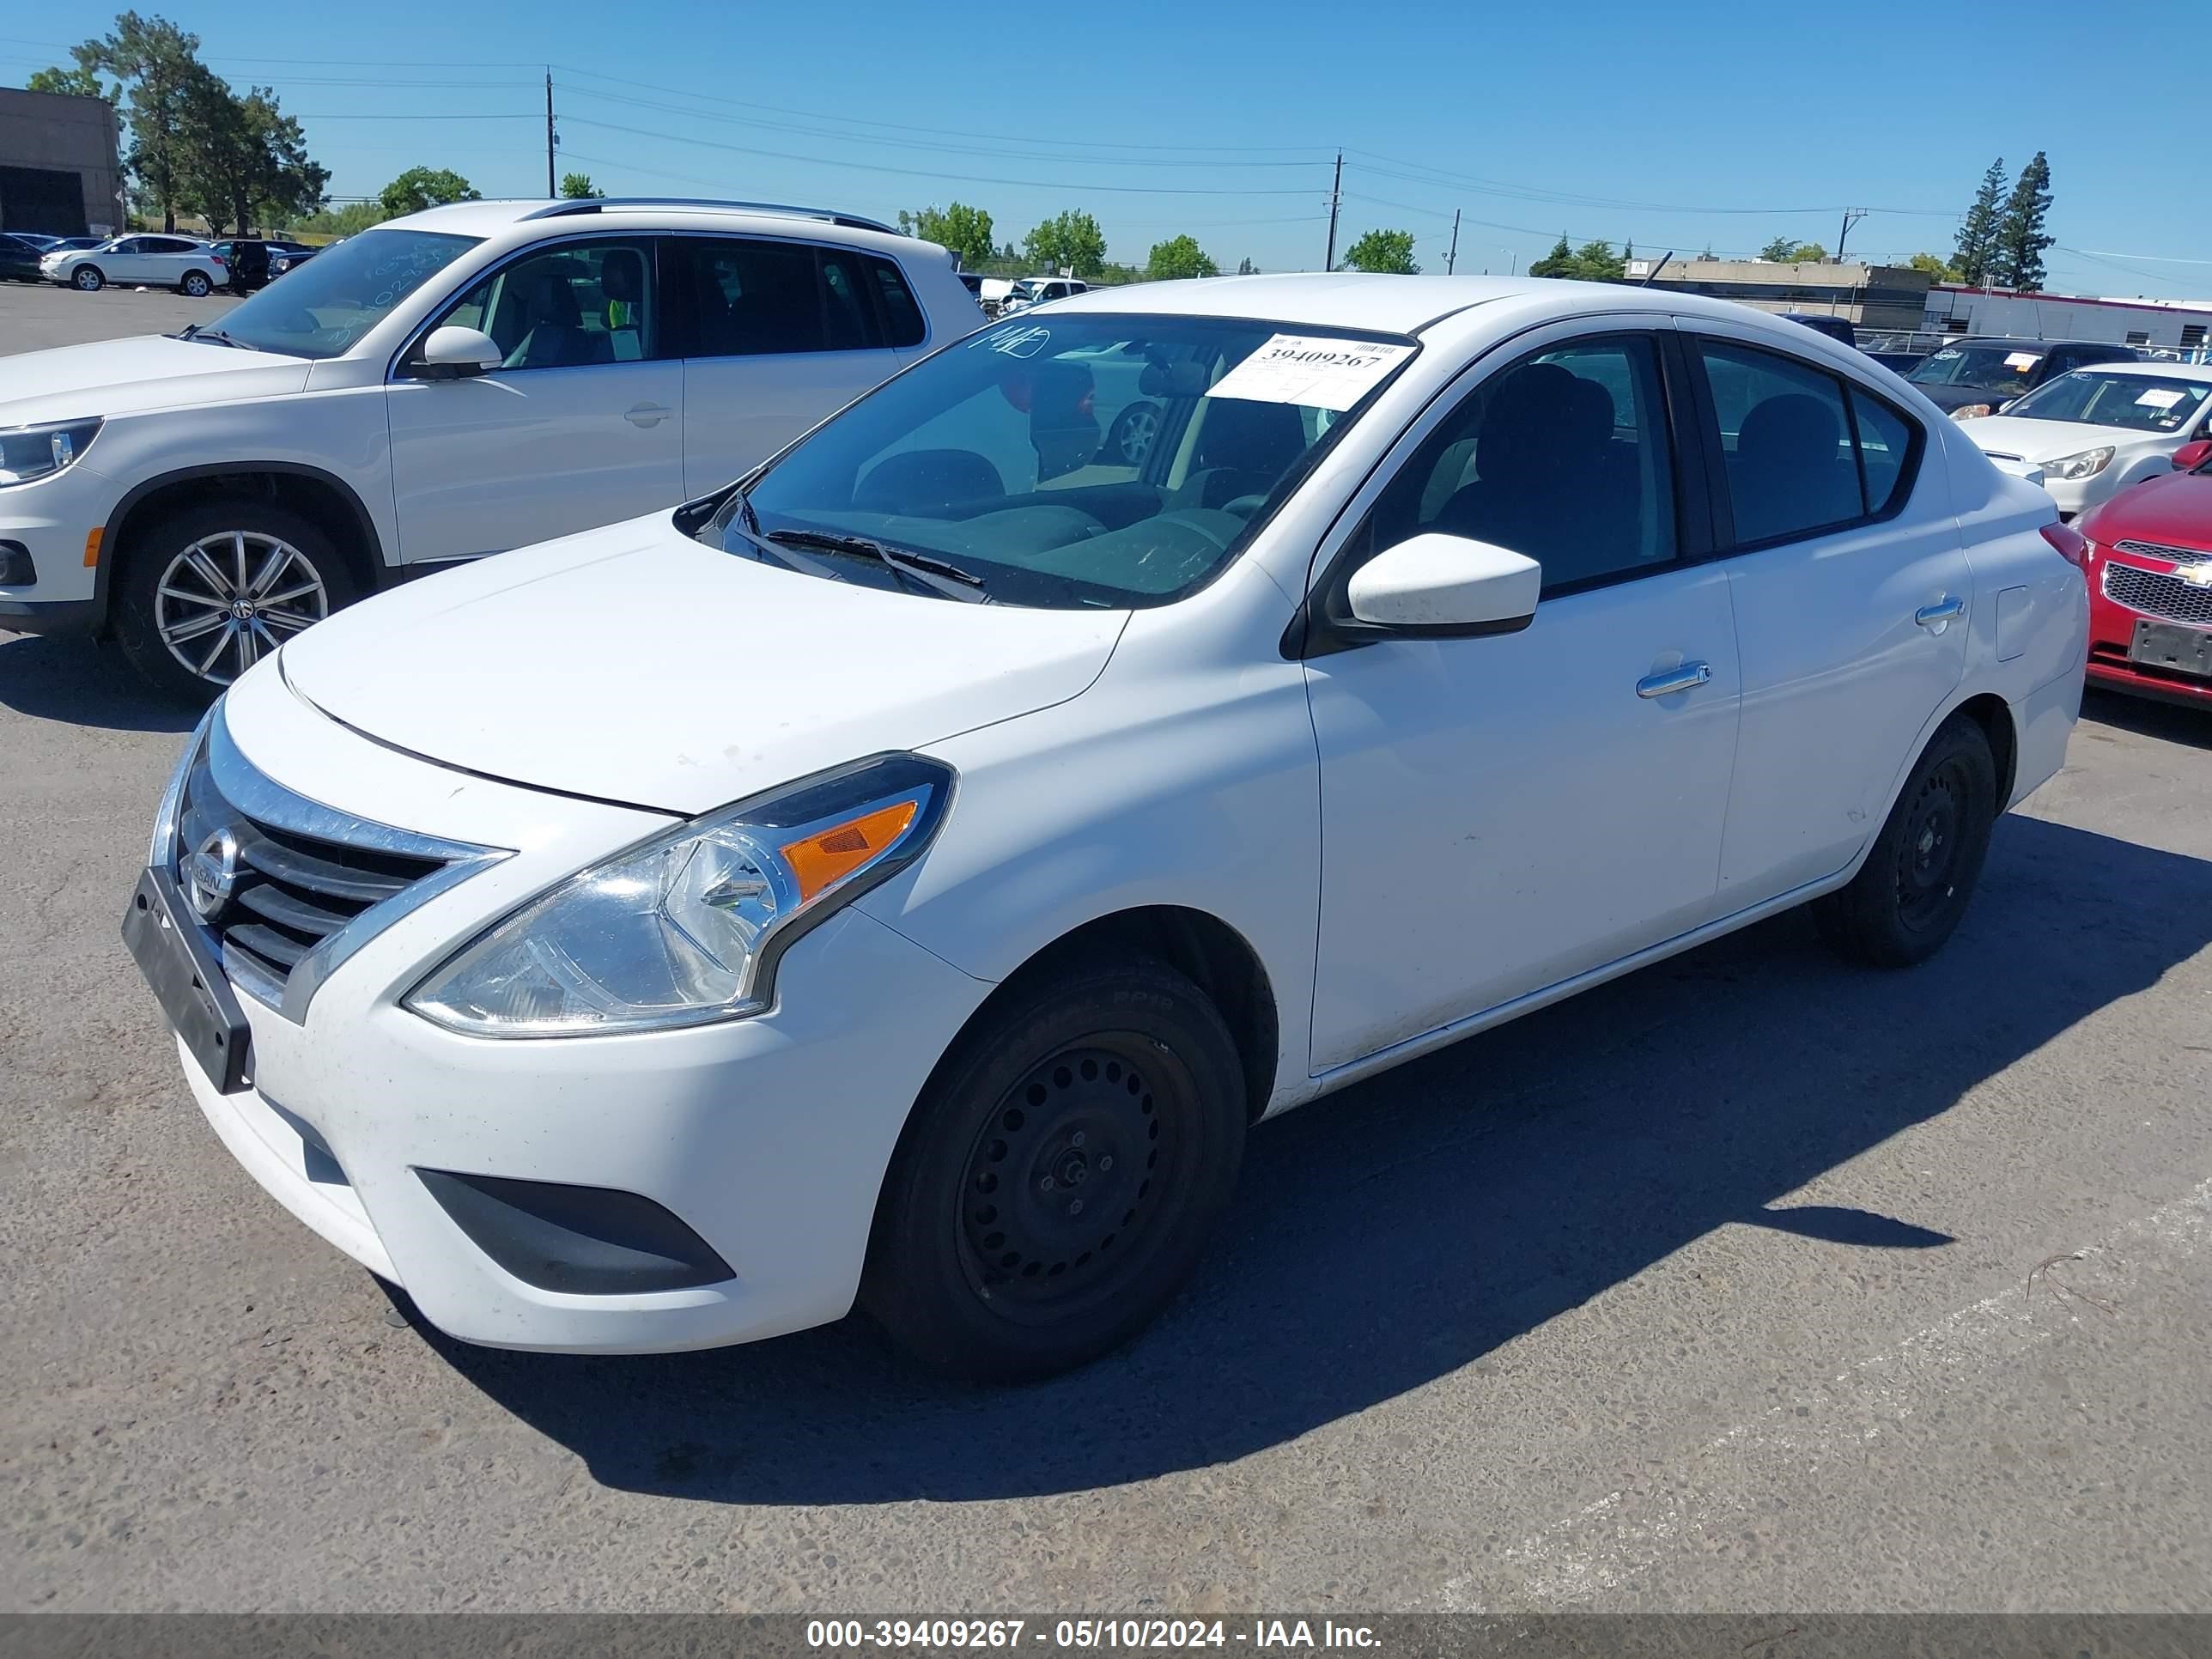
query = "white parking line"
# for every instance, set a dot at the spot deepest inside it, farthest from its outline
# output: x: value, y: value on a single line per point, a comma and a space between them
x: 1606, y: 1544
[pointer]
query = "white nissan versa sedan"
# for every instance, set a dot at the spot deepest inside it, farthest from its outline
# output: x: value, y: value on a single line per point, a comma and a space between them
x: 904, y: 876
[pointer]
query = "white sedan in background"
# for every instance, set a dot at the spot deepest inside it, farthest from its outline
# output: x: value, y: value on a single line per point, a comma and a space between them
x: 905, y: 874
x: 2094, y: 431
x: 190, y: 267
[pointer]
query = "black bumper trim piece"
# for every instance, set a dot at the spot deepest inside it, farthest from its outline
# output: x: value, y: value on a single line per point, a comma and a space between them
x: 586, y: 1241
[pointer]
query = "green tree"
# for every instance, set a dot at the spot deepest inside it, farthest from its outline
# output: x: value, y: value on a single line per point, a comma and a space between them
x: 421, y: 188
x: 1388, y: 251
x: 334, y: 223
x: 1559, y: 262
x: 159, y: 66
x: 77, y: 82
x: 1246, y: 268
x: 1072, y: 242
x: 1788, y: 251
x: 2017, y: 259
x: 959, y: 228
x: 578, y: 187
x: 246, y: 161
x: 1596, y: 262
x: 1179, y: 255
x: 1936, y: 266
x: 1975, y: 255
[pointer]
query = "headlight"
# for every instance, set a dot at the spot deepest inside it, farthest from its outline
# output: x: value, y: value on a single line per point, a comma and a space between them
x: 33, y: 452
x: 687, y: 927
x: 2087, y: 465
x: 1971, y: 412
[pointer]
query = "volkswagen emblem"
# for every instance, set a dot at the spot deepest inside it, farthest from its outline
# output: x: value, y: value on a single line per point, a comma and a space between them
x: 211, y: 874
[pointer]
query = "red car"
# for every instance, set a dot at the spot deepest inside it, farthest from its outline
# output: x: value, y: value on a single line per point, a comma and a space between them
x: 2149, y: 562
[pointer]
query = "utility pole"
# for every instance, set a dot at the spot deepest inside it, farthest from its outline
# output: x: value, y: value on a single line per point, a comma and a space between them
x: 1452, y: 257
x: 1851, y: 217
x: 1335, y: 197
x: 552, y: 186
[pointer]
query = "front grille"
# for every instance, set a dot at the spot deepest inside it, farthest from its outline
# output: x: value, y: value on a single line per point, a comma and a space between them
x: 2154, y: 593
x: 268, y: 896
x: 2160, y: 551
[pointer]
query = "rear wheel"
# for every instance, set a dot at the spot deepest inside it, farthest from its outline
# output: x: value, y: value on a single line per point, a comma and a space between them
x: 1060, y: 1179
x: 1907, y: 899
x: 209, y: 592
x: 1133, y: 434
x: 195, y: 285
x: 86, y: 279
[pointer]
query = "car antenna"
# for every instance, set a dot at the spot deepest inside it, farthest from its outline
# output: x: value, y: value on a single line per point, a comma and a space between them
x: 1652, y: 274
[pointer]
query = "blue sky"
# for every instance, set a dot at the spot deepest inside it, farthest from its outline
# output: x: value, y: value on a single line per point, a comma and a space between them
x: 1678, y: 127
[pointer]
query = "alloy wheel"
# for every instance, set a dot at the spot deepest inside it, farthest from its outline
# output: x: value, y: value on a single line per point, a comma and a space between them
x: 230, y: 599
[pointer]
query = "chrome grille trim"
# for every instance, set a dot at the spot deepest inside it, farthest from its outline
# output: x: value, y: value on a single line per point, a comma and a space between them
x: 2155, y: 594
x: 2160, y: 551
x: 217, y: 787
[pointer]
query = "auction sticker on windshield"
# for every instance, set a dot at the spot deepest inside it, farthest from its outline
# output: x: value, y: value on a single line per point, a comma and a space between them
x: 1311, y: 370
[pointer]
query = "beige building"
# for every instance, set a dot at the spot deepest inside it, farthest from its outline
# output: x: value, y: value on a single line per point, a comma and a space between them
x: 1871, y: 296
x: 59, y: 171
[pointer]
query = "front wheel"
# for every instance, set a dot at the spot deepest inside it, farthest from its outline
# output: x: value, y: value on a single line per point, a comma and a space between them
x: 1134, y: 431
x: 195, y: 285
x: 1907, y: 899
x: 86, y: 279
x: 1060, y: 1178
x: 209, y: 592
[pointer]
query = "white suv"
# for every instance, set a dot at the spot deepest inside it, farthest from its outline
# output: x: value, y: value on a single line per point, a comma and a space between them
x: 183, y: 263
x: 448, y: 385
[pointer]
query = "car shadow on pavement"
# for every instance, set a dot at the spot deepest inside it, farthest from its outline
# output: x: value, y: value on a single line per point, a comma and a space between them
x: 84, y: 684
x: 1408, y: 1228
x: 2185, y: 723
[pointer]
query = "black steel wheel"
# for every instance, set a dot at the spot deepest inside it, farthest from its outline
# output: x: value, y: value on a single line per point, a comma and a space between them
x: 1909, y: 895
x: 1060, y: 1178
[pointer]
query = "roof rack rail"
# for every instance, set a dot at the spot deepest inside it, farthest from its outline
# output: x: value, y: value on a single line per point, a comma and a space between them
x: 601, y: 203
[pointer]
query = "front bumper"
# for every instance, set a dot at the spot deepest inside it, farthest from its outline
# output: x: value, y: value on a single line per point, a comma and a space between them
x: 767, y: 1137
x: 51, y: 519
x: 2112, y: 630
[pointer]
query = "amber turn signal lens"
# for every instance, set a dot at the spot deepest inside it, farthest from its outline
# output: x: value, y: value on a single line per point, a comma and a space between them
x: 830, y: 855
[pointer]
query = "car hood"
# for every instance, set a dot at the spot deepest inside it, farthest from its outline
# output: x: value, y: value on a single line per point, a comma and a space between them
x: 128, y: 377
x: 2048, y: 440
x: 2174, y: 511
x: 635, y: 665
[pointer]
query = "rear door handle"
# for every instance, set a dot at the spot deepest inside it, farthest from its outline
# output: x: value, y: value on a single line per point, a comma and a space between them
x: 646, y: 414
x: 1686, y: 677
x: 1947, y: 609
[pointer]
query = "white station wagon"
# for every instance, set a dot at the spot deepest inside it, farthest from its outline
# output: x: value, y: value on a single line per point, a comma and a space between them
x: 905, y: 875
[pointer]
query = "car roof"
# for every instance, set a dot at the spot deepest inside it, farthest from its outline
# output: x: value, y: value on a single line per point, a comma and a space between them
x: 532, y: 218
x: 2164, y: 371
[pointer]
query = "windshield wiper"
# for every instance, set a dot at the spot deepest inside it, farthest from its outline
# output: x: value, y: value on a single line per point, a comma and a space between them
x: 226, y: 339
x: 939, y: 576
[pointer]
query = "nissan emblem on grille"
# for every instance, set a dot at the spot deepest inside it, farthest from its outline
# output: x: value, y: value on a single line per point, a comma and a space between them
x: 210, y: 873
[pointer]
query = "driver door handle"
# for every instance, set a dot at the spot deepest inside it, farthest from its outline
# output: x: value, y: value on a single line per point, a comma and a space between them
x: 1668, y: 681
x: 1947, y: 609
x: 646, y: 414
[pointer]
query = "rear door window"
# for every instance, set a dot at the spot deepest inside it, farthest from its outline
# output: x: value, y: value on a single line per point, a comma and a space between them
x: 746, y: 297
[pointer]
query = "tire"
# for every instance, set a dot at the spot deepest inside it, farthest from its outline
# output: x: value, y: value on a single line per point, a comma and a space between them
x: 167, y: 596
x: 1114, y: 1088
x: 195, y: 285
x: 1134, y: 431
x: 88, y: 279
x: 1906, y: 900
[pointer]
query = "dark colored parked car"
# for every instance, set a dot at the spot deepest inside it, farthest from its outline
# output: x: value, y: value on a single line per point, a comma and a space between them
x: 256, y: 262
x: 1968, y: 378
x: 2150, y: 584
x: 1836, y: 328
x: 19, y: 257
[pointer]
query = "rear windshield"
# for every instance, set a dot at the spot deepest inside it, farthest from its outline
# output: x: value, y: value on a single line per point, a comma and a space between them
x: 2003, y: 369
x: 2135, y: 403
x: 322, y: 308
x: 1092, y: 460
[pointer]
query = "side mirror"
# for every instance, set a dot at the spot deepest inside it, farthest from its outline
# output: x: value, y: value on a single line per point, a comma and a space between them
x: 451, y: 354
x: 1438, y: 586
x: 2189, y: 457
x: 2007, y: 404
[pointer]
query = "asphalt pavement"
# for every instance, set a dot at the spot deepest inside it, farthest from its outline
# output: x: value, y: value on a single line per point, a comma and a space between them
x: 1751, y: 1281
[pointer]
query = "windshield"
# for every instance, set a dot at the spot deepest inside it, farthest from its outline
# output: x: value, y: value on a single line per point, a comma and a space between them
x: 331, y: 301
x: 2002, y: 369
x: 2134, y: 402
x: 1108, y: 461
